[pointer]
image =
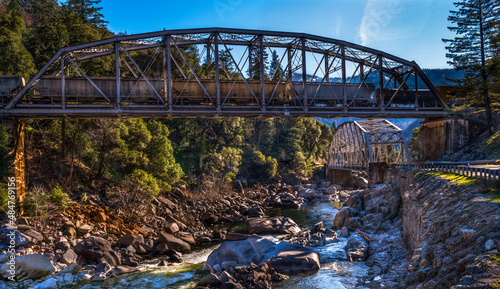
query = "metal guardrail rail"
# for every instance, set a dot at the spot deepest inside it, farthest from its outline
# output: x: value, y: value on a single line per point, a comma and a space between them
x: 473, y: 172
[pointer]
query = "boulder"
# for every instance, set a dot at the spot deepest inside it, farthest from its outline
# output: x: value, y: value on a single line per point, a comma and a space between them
x: 84, y: 229
x: 355, y: 202
x: 50, y: 283
x: 187, y: 237
x: 68, y: 257
x: 291, y: 179
x: 127, y: 240
x: 97, y: 249
x: 282, y: 256
x: 172, y: 228
x: 211, y: 279
x: 382, y: 199
x: 331, y: 190
x: 174, y: 242
x: 35, y: 236
x: 342, y: 215
x: 274, y: 225
x: 32, y: 266
x: 372, y: 222
x: 120, y: 270
x: 295, y: 260
x: 361, y: 183
x: 356, y: 248
x: 100, y: 217
x: 11, y: 236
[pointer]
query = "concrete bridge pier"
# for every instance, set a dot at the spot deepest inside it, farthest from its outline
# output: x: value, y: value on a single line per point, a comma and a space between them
x: 341, y: 177
x: 444, y: 135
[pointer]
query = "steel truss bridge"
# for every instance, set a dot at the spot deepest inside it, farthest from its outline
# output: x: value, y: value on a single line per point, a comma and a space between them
x: 64, y: 88
x: 356, y: 144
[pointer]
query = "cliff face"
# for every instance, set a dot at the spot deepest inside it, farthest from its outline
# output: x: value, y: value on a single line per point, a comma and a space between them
x: 453, y: 232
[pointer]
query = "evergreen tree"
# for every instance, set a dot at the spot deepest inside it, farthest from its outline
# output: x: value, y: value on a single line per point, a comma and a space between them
x: 255, y: 69
x: 275, y: 67
x: 471, y: 49
x: 15, y: 57
x: 48, y: 33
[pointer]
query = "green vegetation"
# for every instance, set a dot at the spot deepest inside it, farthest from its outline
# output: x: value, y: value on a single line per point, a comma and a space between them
x: 59, y: 197
x: 493, y: 144
x: 456, y: 178
x: 184, y: 269
x: 489, y: 188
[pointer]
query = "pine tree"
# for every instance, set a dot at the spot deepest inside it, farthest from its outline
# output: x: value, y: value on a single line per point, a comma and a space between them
x: 256, y: 63
x: 275, y: 67
x: 15, y: 57
x: 48, y: 33
x: 471, y: 49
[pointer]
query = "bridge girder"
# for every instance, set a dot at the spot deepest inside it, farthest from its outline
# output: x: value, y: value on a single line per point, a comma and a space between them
x: 197, y: 95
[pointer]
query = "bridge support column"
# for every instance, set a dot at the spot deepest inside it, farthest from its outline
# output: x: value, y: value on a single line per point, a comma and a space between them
x: 376, y: 172
x: 340, y: 177
x: 441, y: 136
x: 19, y: 163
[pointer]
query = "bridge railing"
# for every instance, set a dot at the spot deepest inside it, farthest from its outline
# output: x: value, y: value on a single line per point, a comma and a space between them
x: 473, y: 172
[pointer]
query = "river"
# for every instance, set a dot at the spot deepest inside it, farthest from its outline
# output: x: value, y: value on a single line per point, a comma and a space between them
x: 334, y: 272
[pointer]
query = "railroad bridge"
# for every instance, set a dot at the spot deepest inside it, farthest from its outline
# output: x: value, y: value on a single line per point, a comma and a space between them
x: 151, y: 75
x: 317, y: 77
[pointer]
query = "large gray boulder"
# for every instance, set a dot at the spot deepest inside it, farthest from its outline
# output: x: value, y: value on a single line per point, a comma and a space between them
x: 343, y: 215
x: 383, y: 199
x: 274, y: 225
x: 356, y: 248
x: 282, y: 256
x: 174, y: 242
x: 97, y: 249
x: 32, y: 266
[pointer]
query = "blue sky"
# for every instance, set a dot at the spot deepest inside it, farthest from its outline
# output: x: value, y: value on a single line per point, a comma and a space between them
x: 411, y: 29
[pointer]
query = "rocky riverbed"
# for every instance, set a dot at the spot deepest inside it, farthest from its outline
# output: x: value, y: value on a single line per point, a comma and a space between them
x: 292, y: 234
x: 92, y: 242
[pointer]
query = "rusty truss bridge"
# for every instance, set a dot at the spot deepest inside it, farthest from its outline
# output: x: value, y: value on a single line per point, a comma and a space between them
x: 317, y: 77
x: 356, y: 144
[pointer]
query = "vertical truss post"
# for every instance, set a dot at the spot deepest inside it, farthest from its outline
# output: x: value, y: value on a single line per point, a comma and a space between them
x: 63, y: 83
x: 416, y: 88
x: 290, y: 73
x: 327, y: 68
x: 117, y: 60
x: 262, y: 72
x: 361, y: 72
x: 164, y: 69
x: 250, y: 62
x: 217, y: 84
x: 304, y: 76
x: 209, y: 61
x: 380, y: 81
x: 169, y: 74
x: 344, y: 90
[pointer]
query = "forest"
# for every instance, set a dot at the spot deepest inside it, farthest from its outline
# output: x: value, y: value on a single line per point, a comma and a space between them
x: 143, y: 155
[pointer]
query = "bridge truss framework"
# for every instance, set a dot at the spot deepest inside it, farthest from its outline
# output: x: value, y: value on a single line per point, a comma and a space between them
x: 356, y: 144
x: 59, y: 95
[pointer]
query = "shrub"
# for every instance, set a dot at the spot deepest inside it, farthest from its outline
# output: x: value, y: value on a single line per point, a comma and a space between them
x: 35, y: 202
x: 4, y: 196
x: 259, y: 167
x: 145, y: 181
x: 59, y: 197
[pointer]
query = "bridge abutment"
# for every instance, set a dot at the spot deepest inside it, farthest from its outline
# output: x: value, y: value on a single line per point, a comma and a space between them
x: 441, y: 136
x: 341, y: 177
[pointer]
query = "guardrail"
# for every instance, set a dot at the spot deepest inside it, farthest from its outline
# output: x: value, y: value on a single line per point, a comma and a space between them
x: 477, y: 173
